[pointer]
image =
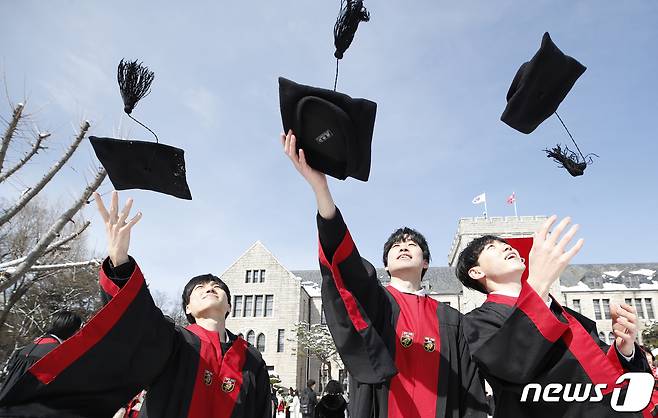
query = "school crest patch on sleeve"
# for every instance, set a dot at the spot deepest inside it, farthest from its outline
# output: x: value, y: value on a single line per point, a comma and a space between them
x: 406, y: 339
x: 228, y: 385
x: 207, y: 377
x: 429, y: 345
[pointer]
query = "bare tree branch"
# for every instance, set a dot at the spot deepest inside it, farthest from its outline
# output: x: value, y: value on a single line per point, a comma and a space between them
x: 54, y: 246
x: 35, y: 148
x: 9, y: 133
x: 31, y: 192
x: 49, y: 267
x: 55, y: 229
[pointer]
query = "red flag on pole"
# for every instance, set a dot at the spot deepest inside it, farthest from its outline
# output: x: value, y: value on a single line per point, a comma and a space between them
x: 511, y: 199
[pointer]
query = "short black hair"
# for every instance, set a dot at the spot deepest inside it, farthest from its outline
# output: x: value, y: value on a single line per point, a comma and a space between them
x: 64, y: 324
x: 333, y: 388
x: 202, y: 279
x: 310, y: 383
x: 468, y: 259
x: 407, y: 234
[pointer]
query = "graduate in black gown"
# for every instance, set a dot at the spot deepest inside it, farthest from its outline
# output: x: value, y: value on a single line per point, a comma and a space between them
x: 198, y: 371
x: 404, y: 351
x: 522, y: 334
x: 63, y: 325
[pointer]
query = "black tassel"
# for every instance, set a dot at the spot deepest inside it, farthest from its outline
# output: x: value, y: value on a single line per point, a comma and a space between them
x: 352, y: 12
x: 569, y: 160
x: 134, y: 82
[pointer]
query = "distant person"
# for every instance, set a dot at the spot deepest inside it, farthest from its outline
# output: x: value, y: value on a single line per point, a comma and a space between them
x: 308, y: 399
x: 332, y: 404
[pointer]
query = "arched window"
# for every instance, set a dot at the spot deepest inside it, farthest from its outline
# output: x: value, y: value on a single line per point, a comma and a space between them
x: 251, y: 336
x: 260, y: 342
x: 601, y: 336
x: 611, y: 338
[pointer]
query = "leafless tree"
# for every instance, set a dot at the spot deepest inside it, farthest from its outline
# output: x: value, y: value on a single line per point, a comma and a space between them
x: 40, y: 246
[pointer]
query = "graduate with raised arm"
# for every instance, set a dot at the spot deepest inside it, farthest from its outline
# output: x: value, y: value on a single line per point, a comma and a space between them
x: 522, y: 335
x: 198, y: 371
x: 404, y: 351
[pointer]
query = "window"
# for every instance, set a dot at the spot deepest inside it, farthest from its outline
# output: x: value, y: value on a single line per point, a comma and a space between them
x: 649, y: 307
x: 260, y: 342
x: 256, y: 276
x: 259, y: 305
x: 611, y: 338
x: 638, y: 308
x: 597, y: 282
x: 606, y: 308
x: 262, y: 276
x: 248, y: 306
x: 597, y: 311
x: 629, y: 302
x: 269, y: 304
x: 237, y: 305
x: 576, y: 305
x: 251, y: 337
x: 280, y: 340
x: 247, y: 276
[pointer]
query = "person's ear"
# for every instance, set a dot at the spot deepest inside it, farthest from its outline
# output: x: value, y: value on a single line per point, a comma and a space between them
x: 476, y: 273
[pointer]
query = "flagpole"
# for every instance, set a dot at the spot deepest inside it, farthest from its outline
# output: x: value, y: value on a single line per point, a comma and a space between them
x: 515, y: 214
x: 486, y: 212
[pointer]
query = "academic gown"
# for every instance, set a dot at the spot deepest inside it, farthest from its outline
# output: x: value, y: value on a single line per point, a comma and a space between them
x: 405, y: 353
x: 517, y: 341
x: 24, y: 358
x: 129, y: 345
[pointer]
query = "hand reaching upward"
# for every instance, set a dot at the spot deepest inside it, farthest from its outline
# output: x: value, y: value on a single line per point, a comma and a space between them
x: 116, y: 227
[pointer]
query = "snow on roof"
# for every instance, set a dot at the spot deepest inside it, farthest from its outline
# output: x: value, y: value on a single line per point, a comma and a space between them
x: 578, y: 287
x: 644, y: 272
x: 614, y: 273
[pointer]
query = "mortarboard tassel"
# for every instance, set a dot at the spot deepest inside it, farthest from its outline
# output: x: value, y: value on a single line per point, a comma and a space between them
x: 135, y: 84
x: 352, y: 12
x: 575, y: 164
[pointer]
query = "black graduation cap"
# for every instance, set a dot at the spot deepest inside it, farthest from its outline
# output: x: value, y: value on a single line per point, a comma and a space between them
x: 538, y: 88
x: 133, y: 164
x: 333, y: 129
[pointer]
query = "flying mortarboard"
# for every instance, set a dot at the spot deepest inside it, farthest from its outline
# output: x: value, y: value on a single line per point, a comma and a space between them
x: 538, y: 88
x: 133, y: 164
x: 334, y: 129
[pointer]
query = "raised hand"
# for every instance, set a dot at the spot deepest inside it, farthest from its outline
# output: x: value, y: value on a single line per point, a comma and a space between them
x: 116, y: 227
x: 549, y: 255
x: 316, y: 179
x: 624, y: 325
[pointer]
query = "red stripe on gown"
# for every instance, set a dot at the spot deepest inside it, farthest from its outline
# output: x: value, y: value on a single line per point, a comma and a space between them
x: 344, y: 250
x: 413, y: 391
x: 209, y: 399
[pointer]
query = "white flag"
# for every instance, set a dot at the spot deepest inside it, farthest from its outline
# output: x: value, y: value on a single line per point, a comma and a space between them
x: 481, y: 198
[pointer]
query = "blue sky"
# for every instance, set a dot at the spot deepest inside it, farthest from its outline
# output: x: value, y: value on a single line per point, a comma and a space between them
x: 439, y: 72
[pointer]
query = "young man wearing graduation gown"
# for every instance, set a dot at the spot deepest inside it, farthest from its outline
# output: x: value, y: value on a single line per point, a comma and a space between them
x: 64, y: 324
x: 199, y: 371
x: 522, y: 335
x: 404, y: 351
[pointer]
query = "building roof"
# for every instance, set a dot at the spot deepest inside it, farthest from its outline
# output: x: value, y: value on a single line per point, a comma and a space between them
x: 438, y: 280
x: 442, y: 280
x: 610, y: 276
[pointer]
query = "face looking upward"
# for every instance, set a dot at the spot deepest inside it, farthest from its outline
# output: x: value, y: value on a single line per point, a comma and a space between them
x: 405, y: 256
x: 498, y: 263
x: 208, y: 300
